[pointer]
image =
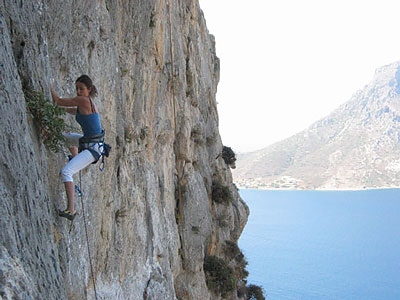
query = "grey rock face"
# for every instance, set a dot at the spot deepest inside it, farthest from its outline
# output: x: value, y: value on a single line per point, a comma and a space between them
x: 150, y: 215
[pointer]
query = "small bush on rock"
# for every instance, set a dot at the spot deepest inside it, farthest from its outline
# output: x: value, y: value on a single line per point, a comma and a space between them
x: 229, y: 156
x: 221, y: 193
x: 231, y: 249
x: 48, y: 119
x: 219, y: 276
x: 254, y: 292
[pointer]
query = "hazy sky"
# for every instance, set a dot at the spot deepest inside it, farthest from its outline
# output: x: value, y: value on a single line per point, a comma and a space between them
x: 287, y: 63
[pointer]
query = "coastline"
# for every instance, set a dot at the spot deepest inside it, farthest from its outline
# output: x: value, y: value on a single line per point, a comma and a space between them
x: 321, y: 189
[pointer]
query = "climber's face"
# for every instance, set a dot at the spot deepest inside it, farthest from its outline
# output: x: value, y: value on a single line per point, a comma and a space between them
x: 82, y: 89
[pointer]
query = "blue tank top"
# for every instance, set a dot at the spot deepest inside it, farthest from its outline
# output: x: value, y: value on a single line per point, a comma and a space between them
x: 90, y: 124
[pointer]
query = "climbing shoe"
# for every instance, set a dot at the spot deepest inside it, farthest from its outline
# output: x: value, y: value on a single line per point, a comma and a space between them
x: 67, y: 214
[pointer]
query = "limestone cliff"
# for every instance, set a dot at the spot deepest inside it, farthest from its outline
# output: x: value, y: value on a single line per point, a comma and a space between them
x: 354, y: 147
x: 150, y: 214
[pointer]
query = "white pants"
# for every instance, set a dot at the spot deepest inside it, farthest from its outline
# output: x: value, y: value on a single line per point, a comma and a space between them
x: 79, y: 162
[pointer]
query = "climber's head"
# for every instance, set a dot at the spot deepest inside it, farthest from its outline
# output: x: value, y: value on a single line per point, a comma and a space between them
x: 85, y: 86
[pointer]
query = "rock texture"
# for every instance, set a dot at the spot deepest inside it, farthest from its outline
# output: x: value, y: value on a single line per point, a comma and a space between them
x: 355, y: 147
x: 150, y: 214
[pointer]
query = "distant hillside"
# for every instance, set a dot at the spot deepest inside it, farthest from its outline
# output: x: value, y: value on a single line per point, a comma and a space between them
x: 356, y: 146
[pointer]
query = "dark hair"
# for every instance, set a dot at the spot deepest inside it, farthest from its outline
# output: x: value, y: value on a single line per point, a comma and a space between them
x: 89, y: 84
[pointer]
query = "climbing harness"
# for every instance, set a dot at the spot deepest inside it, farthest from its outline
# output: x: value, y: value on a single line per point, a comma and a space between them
x: 90, y: 143
x: 105, y: 153
x: 80, y: 194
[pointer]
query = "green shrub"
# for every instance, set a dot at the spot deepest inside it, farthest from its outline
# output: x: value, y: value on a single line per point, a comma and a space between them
x: 229, y: 156
x: 219, y: 276
x: 231, y: 249
x: 221, y: 193
x: 48, y: 119
x: 254, y: 292
x: 241, y: 264
x: 233, y: 252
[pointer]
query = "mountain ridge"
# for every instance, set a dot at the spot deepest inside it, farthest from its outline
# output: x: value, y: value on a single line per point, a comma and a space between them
x: 354, y: 147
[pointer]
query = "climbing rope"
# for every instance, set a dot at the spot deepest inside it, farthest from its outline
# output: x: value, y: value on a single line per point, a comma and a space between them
x: 80, y: 194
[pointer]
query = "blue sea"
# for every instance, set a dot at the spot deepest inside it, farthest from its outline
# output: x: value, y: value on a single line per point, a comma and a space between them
x: 339, y: 245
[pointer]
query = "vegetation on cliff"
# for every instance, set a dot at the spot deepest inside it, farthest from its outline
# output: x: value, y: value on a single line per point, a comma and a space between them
x: 151, y: 213
x: 48, y: 119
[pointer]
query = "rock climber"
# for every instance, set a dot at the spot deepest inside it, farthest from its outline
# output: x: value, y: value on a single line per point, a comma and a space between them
x: 91, y: 143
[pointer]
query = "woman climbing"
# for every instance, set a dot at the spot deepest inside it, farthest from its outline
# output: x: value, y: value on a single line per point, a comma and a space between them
x: 91, y: 143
